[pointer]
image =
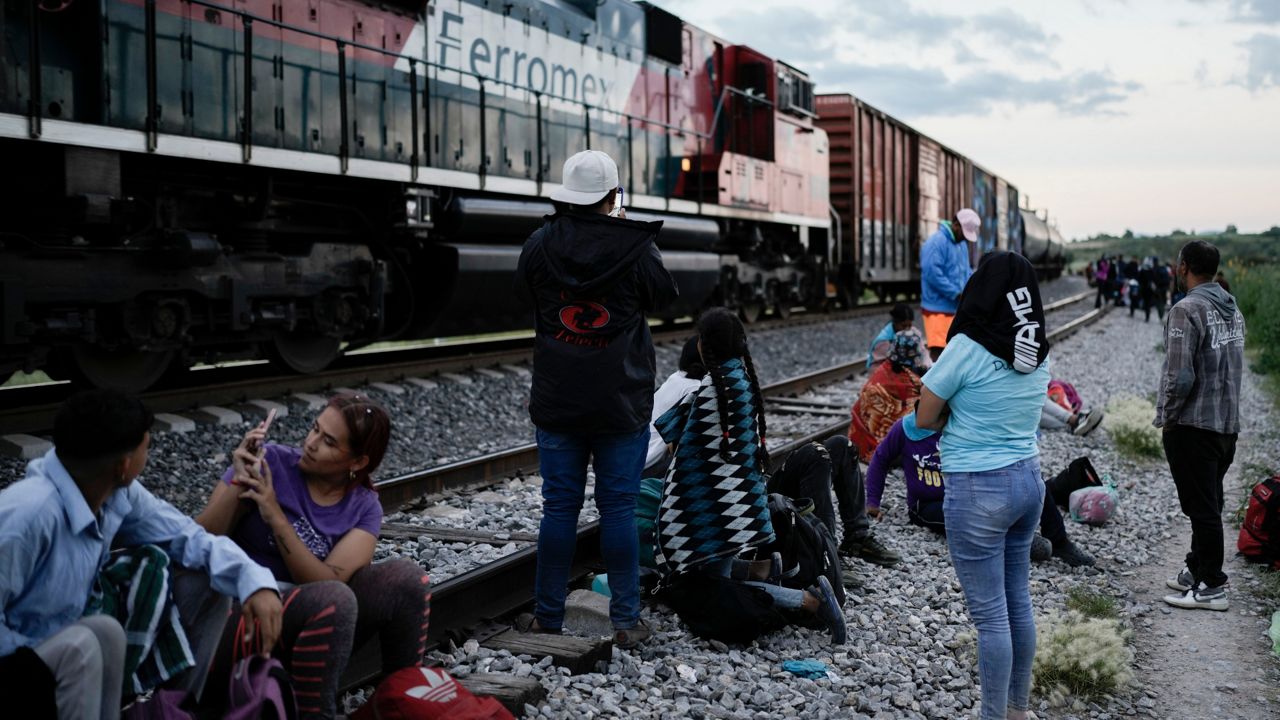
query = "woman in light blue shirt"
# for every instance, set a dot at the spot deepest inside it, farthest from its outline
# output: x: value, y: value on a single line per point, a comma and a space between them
x: 985, y: 393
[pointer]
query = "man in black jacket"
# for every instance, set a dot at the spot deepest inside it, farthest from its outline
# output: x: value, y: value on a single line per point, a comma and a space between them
x: 592, y: 277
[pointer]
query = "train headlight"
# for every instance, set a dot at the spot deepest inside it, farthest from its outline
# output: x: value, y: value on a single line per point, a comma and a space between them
x: 417, y: 209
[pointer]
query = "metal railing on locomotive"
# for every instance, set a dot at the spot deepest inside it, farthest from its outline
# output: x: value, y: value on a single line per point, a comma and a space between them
x: 420, y: 131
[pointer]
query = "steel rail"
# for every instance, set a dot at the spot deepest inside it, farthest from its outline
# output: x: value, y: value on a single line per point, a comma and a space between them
x: 32, y: 409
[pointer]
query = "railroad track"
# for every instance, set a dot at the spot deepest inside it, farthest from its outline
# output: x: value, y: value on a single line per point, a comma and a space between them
x: 471, y: 604
x: 31, y: 409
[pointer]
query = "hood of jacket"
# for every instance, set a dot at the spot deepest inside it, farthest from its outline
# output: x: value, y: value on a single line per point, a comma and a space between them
x: 1220, y: 299
x: 589, y: 252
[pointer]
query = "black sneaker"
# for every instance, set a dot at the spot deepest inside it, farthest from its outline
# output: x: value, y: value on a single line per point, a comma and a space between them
x: 1041, y: 549
x: 1090, y: 421
x: 1181, y: 582
x: 870, y: 549
x: 1201, y: 597
x: 1072, y: 555
x: 829, y: 610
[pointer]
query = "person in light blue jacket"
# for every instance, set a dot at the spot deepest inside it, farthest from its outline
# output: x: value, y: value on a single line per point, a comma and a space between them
x: 58, y: 527
x: 944, y: 270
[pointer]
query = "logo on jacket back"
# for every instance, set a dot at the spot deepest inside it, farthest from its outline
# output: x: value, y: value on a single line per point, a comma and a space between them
x: 584, y: 317
x: 1026, y: 349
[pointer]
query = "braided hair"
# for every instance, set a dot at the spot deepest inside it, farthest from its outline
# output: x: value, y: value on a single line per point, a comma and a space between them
x: 721, y: 337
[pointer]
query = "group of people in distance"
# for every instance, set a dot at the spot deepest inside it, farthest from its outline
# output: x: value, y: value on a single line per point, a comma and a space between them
x: 280, y: 560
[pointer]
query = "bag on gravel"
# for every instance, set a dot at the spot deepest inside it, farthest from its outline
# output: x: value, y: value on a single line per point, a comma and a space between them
x: 1094, y: 505
x: 1259, y: 539
x: 717, y: 608
x: 807, y: 549
x: 427, y: 693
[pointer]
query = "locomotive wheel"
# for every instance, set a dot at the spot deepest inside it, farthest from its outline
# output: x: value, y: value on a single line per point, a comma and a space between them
x: 129, y: 371
x: 303, y: 352
x: 782, y: 310
x: 751, y: 312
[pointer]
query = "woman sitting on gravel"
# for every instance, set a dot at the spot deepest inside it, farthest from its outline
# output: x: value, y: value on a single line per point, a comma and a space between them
x: 985, y: 393
x: 714, y: 503
x: 315, y: 527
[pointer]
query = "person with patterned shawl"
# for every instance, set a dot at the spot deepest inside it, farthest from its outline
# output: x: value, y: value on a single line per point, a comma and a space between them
x: 714, y: 499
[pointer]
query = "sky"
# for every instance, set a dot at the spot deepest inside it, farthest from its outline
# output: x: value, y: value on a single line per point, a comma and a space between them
x: 1149, y: 115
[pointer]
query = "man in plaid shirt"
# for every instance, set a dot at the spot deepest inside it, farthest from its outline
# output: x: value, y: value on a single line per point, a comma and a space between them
x: 1199, y: 411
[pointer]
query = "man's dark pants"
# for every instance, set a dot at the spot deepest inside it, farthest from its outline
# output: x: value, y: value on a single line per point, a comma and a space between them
x: 1198, y: 460
x: 814, y: 471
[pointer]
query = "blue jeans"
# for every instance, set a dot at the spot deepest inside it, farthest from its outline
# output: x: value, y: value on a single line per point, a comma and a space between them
x: 783, y: 597
x: 990, y: 518
x: 617, y: 460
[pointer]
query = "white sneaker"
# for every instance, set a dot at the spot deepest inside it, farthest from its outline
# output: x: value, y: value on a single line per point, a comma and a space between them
x: 1201, y: 597
x: 1181, y: 582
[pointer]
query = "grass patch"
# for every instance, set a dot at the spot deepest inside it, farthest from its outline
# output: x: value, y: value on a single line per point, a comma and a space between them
x: 1128, y: 421
x: 1091, y: 604
x: 1080, y: 657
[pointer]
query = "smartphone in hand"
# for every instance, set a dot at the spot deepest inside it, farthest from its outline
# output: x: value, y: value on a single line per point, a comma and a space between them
x: 617, y: 204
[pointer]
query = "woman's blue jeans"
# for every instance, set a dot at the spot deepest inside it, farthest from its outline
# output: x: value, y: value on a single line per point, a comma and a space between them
x: 991, y: 517
x: 617, y: 460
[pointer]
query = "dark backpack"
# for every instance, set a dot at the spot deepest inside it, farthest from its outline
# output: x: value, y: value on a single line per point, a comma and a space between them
x: 807, y: 548
x: 717, y: 608
x: 1259, y: 539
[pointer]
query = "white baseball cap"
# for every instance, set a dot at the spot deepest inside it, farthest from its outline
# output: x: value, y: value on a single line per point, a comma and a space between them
x: 588, y: 177
x: 969, y: 224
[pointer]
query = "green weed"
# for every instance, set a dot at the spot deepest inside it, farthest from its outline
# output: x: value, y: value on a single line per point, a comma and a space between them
x: 1092, y: 604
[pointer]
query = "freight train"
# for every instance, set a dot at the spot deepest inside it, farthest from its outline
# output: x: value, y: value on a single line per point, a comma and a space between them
x: 195, y: 180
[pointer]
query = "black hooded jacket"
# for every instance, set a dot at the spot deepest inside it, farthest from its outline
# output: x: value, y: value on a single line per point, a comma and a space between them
x: 592, y: 278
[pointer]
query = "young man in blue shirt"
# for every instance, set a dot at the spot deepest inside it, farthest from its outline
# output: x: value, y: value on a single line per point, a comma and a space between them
x: 58, y: 527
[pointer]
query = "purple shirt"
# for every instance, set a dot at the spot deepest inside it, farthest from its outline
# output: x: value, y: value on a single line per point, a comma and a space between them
x: 920, y: 465
x: 319, y: 527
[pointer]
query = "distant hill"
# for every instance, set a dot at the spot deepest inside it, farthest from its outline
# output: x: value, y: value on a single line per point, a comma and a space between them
x: 1246, y: 249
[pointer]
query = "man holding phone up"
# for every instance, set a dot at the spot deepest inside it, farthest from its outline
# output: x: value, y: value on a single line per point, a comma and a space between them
x: 58, y: 528
x: 593, y: 275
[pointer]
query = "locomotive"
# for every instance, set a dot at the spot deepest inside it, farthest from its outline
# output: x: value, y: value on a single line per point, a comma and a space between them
x: 198, y: 180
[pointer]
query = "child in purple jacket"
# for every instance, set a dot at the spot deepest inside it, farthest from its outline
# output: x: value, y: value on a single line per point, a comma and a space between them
x: 916, y: 450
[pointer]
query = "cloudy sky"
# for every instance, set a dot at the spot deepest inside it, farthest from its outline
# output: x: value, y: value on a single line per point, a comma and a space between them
x: 1113, y: 114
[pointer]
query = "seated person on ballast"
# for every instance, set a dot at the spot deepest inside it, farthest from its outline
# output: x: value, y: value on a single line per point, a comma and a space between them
x: 58, y: 528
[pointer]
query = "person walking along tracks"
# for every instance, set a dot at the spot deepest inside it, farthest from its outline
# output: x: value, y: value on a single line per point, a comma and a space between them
x: 1199, y: 410
x: 592, y: 278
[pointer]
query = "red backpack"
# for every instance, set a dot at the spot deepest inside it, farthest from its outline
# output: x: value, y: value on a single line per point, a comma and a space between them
x: 1260, y: 532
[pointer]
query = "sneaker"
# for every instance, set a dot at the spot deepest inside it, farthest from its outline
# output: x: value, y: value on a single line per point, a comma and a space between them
x: 1181, y: 582
x: 870, y: 549
x: 1041, y: 549
x: 1072, y: 555
x: 1089, y: 422
x: 628, y: 638
x: 829, y: 610
x: 1201, y: 597
x: 775, y: 569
